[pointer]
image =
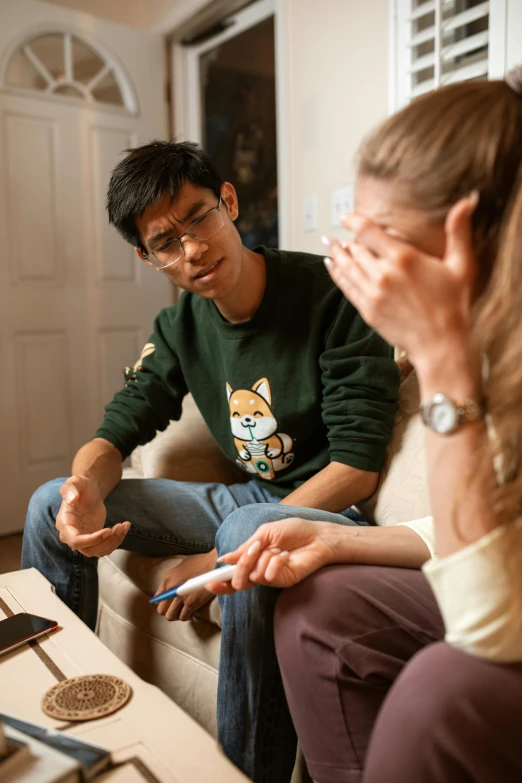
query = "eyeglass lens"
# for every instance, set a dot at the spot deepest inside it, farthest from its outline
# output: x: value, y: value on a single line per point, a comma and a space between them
x: 201, y: 229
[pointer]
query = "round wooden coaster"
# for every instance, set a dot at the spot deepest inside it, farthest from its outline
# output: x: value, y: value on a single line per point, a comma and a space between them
x: 86, y: 698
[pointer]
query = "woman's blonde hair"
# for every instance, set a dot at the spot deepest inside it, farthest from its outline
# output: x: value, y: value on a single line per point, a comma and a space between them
x: 440, y: 148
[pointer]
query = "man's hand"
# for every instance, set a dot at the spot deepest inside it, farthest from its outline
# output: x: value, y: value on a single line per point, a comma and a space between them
x: 183, y: 607
x: 81, y: 519
x: 280, y: 554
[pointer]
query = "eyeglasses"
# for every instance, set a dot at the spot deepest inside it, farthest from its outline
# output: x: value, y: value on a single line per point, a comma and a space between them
x: 205, y: 227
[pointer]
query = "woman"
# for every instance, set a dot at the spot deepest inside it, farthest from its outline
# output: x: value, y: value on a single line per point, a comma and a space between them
x: 436, y: 268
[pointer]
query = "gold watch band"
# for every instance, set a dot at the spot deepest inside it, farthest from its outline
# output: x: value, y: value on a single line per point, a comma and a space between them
x: 469, y: 410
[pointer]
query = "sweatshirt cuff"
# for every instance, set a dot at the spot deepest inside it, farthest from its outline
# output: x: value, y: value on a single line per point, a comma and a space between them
x: 109, y: 435
x: 477, y: 591
x: 426, y: 530
x: 371, y: 460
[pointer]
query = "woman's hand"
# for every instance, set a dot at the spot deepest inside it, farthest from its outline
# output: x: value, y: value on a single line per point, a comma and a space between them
x: 279, y: 554
x: 413, y: 300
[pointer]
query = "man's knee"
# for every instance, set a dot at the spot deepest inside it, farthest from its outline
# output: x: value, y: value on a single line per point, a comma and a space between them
x: 43, y: 507
x: 243, y: 523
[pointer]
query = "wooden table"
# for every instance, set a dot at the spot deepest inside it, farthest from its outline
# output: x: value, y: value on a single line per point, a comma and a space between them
x: 160, y: 739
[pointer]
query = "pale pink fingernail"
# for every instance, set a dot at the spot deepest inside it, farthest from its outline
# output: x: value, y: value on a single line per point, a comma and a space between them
x: 275, y: 551
x: 284, y: 554
x: 220, y: 559
x: 325, y: 241
x: 254, y: 548
x: 71, y: 495
x: 327, y: 261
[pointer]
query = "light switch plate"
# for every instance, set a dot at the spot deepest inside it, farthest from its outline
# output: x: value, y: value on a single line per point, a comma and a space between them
x: 341, y: 202
x: 310, y: 213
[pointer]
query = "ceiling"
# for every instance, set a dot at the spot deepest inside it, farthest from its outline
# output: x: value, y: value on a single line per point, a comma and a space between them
x: 135, y: 13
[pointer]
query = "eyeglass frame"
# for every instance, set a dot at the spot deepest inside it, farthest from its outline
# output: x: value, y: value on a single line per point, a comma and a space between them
x: 152, y: 252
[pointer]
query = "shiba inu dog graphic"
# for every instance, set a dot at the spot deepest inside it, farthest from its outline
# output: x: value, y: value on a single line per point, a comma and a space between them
x: 261, y: 448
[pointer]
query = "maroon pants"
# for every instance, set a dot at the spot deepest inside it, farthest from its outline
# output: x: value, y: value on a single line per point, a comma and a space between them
x: 343, y: 637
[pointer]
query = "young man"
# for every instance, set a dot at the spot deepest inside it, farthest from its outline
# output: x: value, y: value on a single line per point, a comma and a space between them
x: 295, y: 388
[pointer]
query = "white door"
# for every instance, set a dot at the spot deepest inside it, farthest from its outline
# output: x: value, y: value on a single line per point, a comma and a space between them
x: 76, y: 305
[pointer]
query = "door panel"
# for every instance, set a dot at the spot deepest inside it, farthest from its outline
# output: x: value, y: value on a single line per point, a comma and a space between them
x: 30, y: 150
x: 44, y: 404
x: 117, y: 260
x: 76, y: 304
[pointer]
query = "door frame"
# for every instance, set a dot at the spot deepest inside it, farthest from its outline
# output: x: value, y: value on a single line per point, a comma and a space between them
x: 186, y: 108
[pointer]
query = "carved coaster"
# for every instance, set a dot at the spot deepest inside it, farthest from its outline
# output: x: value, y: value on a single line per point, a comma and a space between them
x: 86, y: 698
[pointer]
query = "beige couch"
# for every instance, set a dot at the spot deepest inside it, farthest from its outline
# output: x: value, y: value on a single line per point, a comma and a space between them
x: 182, y: 658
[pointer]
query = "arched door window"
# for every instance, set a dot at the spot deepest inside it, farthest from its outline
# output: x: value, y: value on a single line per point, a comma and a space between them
x: 61, y: 63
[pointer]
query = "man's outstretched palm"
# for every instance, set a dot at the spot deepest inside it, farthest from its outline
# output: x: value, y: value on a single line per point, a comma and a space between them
x: 82, y: 517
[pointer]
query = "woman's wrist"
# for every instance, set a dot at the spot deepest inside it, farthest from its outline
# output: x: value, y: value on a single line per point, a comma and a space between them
x: 451, y: 366
x: 336, y: 540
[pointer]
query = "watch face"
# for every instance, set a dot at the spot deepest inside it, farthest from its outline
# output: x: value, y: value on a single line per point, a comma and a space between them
x: 443, y: 417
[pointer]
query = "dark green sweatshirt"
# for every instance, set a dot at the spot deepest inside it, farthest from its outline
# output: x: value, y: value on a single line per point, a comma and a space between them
x: 304, y: 383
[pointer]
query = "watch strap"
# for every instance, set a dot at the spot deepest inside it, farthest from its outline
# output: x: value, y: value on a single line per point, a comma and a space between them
x: 469, y: 410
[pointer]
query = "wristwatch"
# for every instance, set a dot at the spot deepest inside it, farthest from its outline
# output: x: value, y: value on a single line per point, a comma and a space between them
x: 444, y: 415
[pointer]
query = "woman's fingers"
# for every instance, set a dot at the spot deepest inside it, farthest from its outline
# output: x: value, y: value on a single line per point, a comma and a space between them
x: 249, y: 547
x: 266, y: 536
x: 220, y: 588
x: 246, y: 565
x: 230, y: 558
x: 365, y: 262
x: 372, y: 236
x: 347, y: 277
x: 275, y: 565
x: 258, y: 572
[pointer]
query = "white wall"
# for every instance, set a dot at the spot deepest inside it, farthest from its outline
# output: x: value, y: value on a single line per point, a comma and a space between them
x: 134, y: 13
x: 334, y: 86
x: 336, y: 63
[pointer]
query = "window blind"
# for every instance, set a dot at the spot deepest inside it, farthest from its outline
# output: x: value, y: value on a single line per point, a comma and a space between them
x: 438, y: 42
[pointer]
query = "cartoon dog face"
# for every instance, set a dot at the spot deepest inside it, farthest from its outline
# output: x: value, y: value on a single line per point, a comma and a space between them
x: 250, y: 414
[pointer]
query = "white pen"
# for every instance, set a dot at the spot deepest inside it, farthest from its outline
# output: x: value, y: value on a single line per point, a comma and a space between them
x: 223, y: 574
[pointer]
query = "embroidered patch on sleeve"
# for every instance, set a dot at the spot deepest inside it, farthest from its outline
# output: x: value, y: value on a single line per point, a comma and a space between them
x: 130, y: 372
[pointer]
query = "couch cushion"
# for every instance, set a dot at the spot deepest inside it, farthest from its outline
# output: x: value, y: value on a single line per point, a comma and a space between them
x: 145, y: 573
x: 180, y: 658
x: 402, y: 494
x: 186, y: 451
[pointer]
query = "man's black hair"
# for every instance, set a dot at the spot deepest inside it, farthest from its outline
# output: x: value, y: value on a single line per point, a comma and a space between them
x: 147, y: 173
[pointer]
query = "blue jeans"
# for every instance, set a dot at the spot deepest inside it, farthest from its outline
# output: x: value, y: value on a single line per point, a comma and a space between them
x: 182, y: 518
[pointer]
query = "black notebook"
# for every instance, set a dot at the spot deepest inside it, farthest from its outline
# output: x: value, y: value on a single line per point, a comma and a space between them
x: 92, y: 759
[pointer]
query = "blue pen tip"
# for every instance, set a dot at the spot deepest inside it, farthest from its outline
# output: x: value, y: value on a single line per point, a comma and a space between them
x: 162, y: 596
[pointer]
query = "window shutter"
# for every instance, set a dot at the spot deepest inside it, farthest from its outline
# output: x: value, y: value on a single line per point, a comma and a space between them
x: 438, y: 42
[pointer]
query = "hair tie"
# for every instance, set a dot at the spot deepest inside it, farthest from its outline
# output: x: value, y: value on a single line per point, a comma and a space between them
x: 513, y: 79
